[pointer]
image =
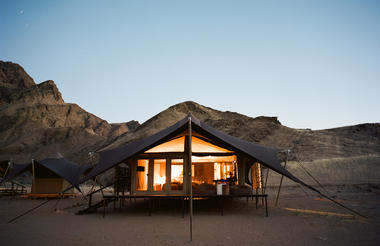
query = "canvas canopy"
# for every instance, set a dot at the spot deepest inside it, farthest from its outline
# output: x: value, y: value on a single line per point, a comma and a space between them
x: 4, y: 167
x: 265, y: 155
x: 60, y: 166
x: 16, y: 170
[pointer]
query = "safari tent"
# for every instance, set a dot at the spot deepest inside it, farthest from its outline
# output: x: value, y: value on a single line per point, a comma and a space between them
x: 4, y: 167
x: 9, y: 188
x: 49, y: 176
x: 190, y: 158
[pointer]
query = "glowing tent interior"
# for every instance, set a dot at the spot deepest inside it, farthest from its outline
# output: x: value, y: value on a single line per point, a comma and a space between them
x: 160, y: 164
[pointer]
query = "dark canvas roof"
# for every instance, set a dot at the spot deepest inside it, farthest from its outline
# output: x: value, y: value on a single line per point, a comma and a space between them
x: 4, y: 167
x: 16, y: 170
x: 266, y: 156
x: 64, y: 168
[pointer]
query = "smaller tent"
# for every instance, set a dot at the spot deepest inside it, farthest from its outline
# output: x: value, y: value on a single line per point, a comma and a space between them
x: 4, y: 168
x: 50, y: 175
x: 15, y: 170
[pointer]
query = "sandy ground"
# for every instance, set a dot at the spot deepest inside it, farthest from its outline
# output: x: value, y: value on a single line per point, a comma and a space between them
x: 242, y: 224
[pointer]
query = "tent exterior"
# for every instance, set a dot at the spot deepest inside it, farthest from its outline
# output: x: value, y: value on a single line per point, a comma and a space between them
x: 46, y: 181
x: 162, y: 163
x: 4, y: 168
x: 15, y: 170
x: 9, y: 188
x: 50, y: 175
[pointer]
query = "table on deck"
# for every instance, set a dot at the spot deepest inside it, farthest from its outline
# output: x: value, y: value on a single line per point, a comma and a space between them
x: 220, y: 199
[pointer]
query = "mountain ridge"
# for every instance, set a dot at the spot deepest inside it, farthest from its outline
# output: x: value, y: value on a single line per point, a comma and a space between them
x: 36, y: 122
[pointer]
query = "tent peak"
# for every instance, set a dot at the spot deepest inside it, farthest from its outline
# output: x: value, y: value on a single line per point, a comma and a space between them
x: 191, y: 117
x: 56, y: 155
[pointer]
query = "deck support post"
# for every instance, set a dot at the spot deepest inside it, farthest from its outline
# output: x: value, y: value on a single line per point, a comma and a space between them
x: 266, y: 180
x: 90, y: 201
x: 222, y: 205
x: 34, y: 178
x: 183, y: 207
x: 150, y: 206
x: 104, y: 207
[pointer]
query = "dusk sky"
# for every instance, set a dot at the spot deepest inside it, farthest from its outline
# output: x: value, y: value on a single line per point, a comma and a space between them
x: 313, y: 64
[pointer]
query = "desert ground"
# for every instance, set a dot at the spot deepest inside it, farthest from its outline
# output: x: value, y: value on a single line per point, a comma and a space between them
x: 56, y: 223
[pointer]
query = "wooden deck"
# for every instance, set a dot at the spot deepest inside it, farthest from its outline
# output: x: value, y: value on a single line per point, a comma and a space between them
x: 50, y: 195
x: 152, y: 198
x: 14, y: 190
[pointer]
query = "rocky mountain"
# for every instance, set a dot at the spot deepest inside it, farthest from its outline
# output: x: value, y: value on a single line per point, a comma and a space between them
x: 306, y: 144
x: 35, y: 122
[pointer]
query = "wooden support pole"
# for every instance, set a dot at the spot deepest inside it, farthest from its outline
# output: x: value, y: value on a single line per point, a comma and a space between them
x: 266, y: 180
x: 104, y: 208
x: 191, y: 180
x: 90, y: 201
x: 10, y: 164
x: 183, y: 206
x: 222, y: 205
x: 34, y: 178
x: 282, y: 177
x: 150, y: 206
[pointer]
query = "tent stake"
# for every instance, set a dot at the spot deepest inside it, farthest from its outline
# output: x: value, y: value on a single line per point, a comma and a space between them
x: 282, y: 177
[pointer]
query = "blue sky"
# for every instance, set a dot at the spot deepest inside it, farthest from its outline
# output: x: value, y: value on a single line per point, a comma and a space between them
x: 314, y: 64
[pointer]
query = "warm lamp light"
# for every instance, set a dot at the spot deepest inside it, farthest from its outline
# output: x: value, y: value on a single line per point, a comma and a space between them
x: 160, y: 180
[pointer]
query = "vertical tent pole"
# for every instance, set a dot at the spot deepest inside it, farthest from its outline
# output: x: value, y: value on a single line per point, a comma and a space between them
x: 10, y: 163
x: 282, y: 177
x: 191, y: 181
x: 266, y: 180
x: 34, y: 177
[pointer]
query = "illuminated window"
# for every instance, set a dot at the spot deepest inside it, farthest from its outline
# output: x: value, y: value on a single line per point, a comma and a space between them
x: 208, y: 169
x: 199, y: 145
x: 178, y: 145
x: 224, y: 170
x: 203, y: 173
x: 142, y: 175
x: 159, y: 178
x: 176, y: 174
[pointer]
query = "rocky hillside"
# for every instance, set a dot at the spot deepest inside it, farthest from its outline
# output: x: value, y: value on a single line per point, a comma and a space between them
x: 36, y: 122
x: 305, y: 144
x: 252, y: 129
